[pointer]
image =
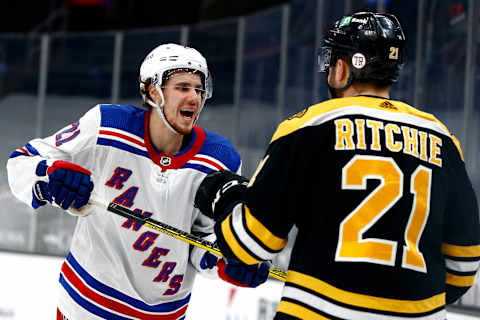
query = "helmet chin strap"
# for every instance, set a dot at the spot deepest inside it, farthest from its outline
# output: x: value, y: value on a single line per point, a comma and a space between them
x: 161, y: 113
x: 333, y: 91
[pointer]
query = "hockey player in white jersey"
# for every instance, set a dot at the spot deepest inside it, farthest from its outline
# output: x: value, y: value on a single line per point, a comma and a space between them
x: 151, y: 161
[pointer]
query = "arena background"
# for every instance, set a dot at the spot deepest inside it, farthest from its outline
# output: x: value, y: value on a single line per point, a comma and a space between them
x: 59, y: 60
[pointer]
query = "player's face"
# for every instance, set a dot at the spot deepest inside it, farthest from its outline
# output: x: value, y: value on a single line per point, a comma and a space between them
x: 183, y: 97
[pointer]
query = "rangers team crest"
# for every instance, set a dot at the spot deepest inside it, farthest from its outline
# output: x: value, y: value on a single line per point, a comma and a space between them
x: 165, y: 161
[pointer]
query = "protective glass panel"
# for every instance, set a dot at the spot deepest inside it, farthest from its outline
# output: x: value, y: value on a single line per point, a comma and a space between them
x: 19, y: 67
x: 79, y: 77
x: 363, y: 5
x: 324, y: 14
x: 444, y: 70
x: 218, y: 114
x: 81, y: 65
x: 457, y: 53
x: 473, y: 146
x: 406, y: 13
x: 259, y: 96
x: 302, y: 68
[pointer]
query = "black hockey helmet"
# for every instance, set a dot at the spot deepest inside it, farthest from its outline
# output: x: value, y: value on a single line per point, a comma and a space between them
x: 372, y: 43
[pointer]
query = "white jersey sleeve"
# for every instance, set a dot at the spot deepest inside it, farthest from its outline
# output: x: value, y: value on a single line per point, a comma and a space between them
x: 74, y: 143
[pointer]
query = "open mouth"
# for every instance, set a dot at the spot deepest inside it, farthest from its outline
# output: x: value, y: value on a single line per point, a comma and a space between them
x: 187, y: 113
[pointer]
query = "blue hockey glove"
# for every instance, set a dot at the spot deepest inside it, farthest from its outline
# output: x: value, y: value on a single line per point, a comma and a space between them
x: 40, y: 194
x: 68, y: 185
x: 218, y: 191
x: 208, y: 261
x: 243, y: 275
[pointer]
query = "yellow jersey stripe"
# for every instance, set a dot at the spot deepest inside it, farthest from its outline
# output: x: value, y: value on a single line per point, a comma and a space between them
x: 460, y: 281
x: 263, y: 234
x: 257, y: 171
x: 295, y: 310
x: 295, y: 122
x: 365, y: 301
x: 461, y: 251
x: 457, y: 144
x: 232, y: 242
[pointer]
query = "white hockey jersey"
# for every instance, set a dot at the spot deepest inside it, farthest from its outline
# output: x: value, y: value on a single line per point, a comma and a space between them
x: 116, y: 268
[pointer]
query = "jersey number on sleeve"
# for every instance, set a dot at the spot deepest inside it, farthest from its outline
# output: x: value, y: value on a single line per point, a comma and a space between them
x: 67, y: 134
x: 351, y: 244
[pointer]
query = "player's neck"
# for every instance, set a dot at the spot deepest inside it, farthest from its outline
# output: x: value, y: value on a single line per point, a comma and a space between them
x: 162, y: 137
x: 356, y: 90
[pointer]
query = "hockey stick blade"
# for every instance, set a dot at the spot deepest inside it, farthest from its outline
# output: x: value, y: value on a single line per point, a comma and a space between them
x: 169, y: 230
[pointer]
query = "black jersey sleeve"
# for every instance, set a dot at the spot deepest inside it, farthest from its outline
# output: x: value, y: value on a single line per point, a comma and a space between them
x: 257, y: 229
x: 461, y: 241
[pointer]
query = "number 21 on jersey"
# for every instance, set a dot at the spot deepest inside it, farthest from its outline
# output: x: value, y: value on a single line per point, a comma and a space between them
x: 351, y: 244
x: 67, y: 134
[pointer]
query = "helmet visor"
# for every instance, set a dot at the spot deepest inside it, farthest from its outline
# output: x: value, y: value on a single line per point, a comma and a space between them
x: 324, y: 58
x: 208, y: 87
x: 206, y: 79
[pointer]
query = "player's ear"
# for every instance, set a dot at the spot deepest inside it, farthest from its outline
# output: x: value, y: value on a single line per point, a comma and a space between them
x: 342, y: 71
x: 338, y: 74
x: 152, y: 91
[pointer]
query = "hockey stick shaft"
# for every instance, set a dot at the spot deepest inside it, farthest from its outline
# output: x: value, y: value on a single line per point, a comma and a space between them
x: 169, y: 230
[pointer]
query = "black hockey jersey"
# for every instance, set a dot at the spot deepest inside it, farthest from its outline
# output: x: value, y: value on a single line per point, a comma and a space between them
x: 388, y: 222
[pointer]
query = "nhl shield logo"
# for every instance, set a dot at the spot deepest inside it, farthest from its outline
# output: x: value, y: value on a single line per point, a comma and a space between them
x: 165, y: 161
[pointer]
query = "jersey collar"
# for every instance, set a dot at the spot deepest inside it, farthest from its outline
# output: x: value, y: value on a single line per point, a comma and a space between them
x: 168, y: 161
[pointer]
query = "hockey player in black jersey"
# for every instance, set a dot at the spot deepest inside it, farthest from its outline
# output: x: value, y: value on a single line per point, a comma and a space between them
x: 388, y: 222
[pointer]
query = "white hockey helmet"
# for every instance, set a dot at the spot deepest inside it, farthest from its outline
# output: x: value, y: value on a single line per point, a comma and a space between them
x: 167, y: 57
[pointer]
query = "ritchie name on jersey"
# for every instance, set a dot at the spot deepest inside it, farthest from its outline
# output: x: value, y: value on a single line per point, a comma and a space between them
x: 365, y: 134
